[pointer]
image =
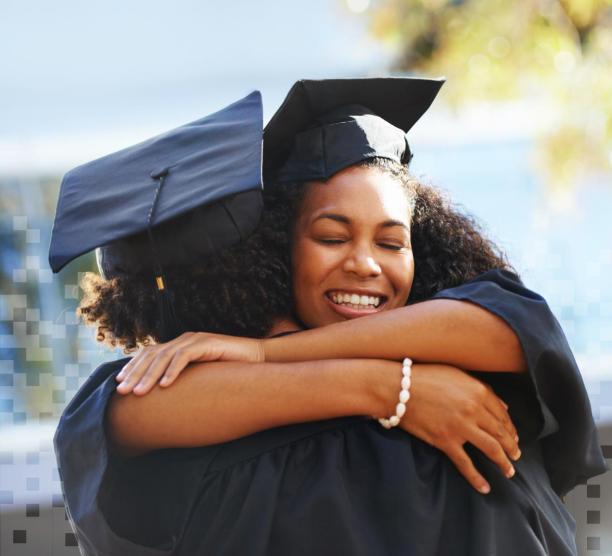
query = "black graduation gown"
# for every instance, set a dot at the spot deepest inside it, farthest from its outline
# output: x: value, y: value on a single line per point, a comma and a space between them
x: 345, y: 486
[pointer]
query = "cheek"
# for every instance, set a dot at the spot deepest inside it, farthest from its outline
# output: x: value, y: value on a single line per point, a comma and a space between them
x: 401, y: 275
x: 311, y: 265
x: 304, y: 265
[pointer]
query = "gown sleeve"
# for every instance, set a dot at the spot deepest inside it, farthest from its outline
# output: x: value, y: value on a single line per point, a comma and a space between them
x: 569, y: 438
x: 137, y: 506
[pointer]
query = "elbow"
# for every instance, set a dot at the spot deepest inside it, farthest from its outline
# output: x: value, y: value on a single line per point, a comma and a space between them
x: 510, y: 355
x: 518, y: 361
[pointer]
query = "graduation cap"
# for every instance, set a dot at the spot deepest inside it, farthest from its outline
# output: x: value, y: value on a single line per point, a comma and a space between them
x: 324, y: 126
x: 166, y: 202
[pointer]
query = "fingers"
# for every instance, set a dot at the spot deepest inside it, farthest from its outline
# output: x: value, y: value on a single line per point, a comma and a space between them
x: 465, y: 466
x: 492, y: 449
x: 128, y: 366
x: 177, y: 364
x: 134, y: 370
x: 152, y: 375
x: 144, y: 370
x: 494, y: 406
x: 496, y: 429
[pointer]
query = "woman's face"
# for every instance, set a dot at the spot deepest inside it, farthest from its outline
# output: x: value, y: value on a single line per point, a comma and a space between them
x: 351, y: 251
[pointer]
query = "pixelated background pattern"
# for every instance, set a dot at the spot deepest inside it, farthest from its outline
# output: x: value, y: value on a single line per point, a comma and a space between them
x: 45, y: 355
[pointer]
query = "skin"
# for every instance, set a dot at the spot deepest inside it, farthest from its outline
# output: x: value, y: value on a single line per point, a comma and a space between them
x: 351, y: 234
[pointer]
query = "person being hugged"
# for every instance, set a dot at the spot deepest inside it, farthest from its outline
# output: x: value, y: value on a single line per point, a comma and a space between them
x: 402, y: 314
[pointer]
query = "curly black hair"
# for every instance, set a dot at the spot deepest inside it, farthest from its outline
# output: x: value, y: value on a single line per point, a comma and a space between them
x: 242, y: 290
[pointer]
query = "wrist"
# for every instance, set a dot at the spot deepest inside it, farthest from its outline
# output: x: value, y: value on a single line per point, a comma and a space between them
x: 260, y: 352
x: 386, y: 388
x: 402, y: 399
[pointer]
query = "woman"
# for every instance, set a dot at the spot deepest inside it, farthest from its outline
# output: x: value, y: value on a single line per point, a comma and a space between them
x: 286, y: 461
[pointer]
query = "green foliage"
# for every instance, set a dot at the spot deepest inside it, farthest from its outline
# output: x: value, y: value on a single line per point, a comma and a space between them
x: 556, y: 52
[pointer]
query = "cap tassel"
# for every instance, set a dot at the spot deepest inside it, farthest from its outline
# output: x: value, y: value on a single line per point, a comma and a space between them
x: 170, y: 325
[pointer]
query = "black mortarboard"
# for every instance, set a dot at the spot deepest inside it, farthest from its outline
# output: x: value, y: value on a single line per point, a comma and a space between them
x: 167, y: 201
x: 325, y: 126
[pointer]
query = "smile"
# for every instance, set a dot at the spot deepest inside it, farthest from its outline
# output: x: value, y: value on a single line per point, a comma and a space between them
x: 352, y: 304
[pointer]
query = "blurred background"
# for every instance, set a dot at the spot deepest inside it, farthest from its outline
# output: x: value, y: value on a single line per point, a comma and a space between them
x: 521, y: 136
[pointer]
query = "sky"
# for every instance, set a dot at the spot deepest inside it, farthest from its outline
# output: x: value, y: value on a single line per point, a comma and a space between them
x: 76, y: 74
x: 82, y: 79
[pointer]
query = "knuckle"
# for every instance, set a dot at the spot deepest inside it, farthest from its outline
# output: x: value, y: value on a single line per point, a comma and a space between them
x: 491, y: 447
x: 164, y: 355
x: 442, y: 445
x: 181, y: 353
x: 469, y: 408
x: 464, y: 461
x: 442, y: 434
x: 482, y: 391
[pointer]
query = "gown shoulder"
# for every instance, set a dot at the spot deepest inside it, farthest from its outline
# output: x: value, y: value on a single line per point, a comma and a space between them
x: 111, y: 501
x: 564, y: 419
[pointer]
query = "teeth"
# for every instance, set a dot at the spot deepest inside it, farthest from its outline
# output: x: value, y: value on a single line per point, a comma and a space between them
x: 355, y: 301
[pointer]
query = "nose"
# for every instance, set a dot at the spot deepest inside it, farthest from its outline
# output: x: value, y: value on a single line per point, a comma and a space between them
x: 360, y: 261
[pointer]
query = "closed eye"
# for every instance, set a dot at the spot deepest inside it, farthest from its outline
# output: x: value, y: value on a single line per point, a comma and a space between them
x: 384, y: 245
x: 390, y: 246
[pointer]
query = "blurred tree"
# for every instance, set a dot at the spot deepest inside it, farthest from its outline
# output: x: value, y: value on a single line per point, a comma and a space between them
x: 556, y: 52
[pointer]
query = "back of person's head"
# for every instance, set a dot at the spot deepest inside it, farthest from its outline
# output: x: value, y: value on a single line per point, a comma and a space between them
x: 243, y: 289
x: 237, y: 292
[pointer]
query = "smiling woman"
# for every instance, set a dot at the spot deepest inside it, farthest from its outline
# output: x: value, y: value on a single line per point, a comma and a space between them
x: 269, y: 446
x: 351, y: 246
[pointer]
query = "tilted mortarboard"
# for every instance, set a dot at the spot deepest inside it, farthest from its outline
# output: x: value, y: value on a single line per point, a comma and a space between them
x: 166, y: 202
x: 325, y: 126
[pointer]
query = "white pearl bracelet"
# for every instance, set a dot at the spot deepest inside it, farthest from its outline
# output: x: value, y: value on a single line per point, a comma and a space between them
x: 404, y: 396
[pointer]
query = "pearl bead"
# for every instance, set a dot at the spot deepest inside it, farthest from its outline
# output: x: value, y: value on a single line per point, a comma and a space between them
x: 385, y: 423
x: 404, y: 396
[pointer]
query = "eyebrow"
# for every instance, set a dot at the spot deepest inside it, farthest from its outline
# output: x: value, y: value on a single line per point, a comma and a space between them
x: 345, y: 220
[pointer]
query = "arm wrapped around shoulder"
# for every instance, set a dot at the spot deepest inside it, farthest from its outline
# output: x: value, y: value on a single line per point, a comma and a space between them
x: 570, y: 442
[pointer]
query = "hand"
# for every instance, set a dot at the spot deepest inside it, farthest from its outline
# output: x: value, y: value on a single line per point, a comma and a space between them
x: 448, y: 407
x: 169, y: 359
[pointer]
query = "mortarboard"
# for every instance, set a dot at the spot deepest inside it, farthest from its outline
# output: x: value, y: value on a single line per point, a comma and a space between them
x: 324, y: 126
x: 167, y: 201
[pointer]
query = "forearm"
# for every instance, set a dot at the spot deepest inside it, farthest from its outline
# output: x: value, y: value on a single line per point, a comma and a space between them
x: 218, y: 402
x: 446, y: 331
